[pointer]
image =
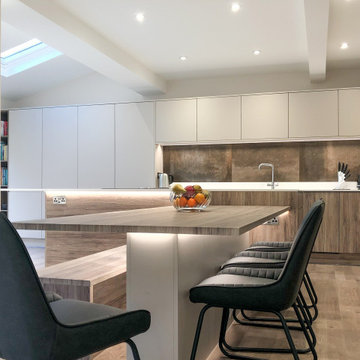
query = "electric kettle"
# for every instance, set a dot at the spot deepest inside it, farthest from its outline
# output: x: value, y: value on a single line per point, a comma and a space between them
x: 164, y: 180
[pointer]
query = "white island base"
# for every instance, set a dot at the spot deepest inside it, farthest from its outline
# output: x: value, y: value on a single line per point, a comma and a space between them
x: 161, y: 269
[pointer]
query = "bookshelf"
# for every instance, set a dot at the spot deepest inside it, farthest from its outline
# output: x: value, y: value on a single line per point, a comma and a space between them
x: 4, y: 154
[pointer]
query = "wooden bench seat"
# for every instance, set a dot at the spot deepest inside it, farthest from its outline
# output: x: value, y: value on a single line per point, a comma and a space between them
x: 98, y: 278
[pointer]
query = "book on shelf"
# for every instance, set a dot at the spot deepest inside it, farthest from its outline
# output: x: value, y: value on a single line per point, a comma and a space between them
x: 3, y: 151
x: 4, y: 128
x: 4, y: 176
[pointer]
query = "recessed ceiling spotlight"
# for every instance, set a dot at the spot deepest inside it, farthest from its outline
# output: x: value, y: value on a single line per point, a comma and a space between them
x: 183, y: 58
x: 344, y: 46
x: 256, y: 52
x: 140, y: 17
x: 235, y: 7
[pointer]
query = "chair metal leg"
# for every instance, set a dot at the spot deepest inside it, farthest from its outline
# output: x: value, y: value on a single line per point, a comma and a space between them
x: 306, y: 329
x: 198, y: 330
x: 223, y: 344
x: 312, y: 296
x: 288, y: 336
x: 271, y: 320
x: 306, y: 321
x: 262, y: 322
x: 307, y: 276
x: 133, y: 349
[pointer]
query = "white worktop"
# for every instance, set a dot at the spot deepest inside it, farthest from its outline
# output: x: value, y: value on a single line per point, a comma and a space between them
x: 223, y: 186
x: 281, y: 186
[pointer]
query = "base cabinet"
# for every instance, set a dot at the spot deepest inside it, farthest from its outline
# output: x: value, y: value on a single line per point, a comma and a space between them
x: 349, y: 219
x: 329, y: 234
x: 339, y: 232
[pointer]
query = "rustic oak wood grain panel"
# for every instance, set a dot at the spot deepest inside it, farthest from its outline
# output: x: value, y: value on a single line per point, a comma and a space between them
x: 90, y: 202
x: 288, y: 223
x: 329, y: 233
x: 216, y: 220
x: 62, y: 246
x: 349, y: 218
x: 98, y: 278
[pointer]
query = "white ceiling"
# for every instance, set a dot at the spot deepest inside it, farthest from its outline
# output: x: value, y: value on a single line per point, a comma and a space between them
x: 38, y: 78
x: 206, y: 31
x: 105, y: 37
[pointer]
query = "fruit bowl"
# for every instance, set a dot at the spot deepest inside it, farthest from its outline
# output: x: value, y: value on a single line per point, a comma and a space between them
x: 192, y: 197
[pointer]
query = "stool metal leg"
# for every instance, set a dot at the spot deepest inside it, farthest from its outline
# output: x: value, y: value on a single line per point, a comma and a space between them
x: 133, y: 349
x: 198, y: 330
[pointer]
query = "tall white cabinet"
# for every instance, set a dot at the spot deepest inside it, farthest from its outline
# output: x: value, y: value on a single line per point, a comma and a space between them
x: 60, y: 147
x: 25, y: 167
x: 96, y: 147
x: 135, y: 145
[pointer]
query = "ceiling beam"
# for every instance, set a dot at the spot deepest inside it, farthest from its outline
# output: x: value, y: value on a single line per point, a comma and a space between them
x: 317, y: 22
x: 61, y: 30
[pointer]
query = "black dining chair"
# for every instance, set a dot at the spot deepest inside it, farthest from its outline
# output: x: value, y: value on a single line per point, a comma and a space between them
x: 39, y: 326
x: 266, y: 290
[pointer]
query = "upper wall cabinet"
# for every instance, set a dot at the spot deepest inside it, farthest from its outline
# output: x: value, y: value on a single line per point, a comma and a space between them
x: 265, y: 116
x: 176, y: 121
x: 25, y: 144
x: 313, y: 114
x: 96, y: 149
x: 349, y: 112
x: 135, y: 145
x: 218, y: 119
x: 60, y: 148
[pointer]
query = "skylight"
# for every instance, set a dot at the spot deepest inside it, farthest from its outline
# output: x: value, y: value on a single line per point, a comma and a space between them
x: 25, y: 56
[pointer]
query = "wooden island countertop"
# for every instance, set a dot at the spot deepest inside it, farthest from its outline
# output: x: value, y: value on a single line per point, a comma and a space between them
x: 168, y: 252
x: 215, y: 220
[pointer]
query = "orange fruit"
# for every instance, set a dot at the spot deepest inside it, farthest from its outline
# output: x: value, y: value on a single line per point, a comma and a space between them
x: 183, y: 201
x: 191, y: 202
x: 200, y: 198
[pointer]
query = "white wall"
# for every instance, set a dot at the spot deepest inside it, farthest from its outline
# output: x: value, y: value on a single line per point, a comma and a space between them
x: 96, y: 89
x: 89, y: 89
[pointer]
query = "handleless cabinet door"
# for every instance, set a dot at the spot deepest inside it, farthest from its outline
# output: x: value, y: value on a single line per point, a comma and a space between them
x: 96, y: 126
x: 25, y: 162
x: 327, y: 239
x: 349, y: 112
x: 60, y: 148
x: 218, y: 119
x: 135, y: 145
x: 176, y: 121
x: 313, y: 114
x: 265, y: 116
x: 25, y: 148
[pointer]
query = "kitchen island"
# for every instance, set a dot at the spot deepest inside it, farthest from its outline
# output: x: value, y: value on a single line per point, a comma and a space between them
x: 168, y: 252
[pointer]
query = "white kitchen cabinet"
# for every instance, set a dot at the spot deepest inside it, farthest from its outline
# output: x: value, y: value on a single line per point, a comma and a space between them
x: 349, y: 112
x: 265, y: 116
x: 135, y: 145
x: 60, y: 148
x: 96, y: 146
x: 313, y: 114
x: 25, y: 164
x: 176, y: 121
x: 25, y: 148
x: 219, y: 119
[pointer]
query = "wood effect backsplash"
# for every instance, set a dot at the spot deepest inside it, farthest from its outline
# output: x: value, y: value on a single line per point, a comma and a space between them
x: 298, y: 161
